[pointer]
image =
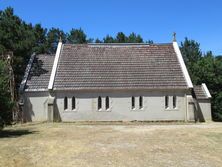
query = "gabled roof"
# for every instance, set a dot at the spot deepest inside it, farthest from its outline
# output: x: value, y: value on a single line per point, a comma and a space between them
x: 119, y: 66
x: 108, y: 66
x: 201, y: 91
x: 39, y: 72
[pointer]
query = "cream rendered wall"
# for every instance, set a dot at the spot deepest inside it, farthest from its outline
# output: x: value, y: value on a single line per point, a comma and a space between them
x: 120, y: 106
x: 35, y: 106
x: 205, y: 107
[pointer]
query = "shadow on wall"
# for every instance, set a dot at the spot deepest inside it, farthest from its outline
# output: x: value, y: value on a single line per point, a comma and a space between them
x: 56, y: 115
x: 199, y: 114
x: 28, y: 111
x: 15, y: 133
x: 199, y: 117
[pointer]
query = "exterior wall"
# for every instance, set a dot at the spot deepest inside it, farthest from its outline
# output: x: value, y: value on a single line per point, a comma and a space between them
x: 192, y: 115
x: 199, y: 110
x: 205, y: 107
x: 120, y: 106
x: 35, y: 106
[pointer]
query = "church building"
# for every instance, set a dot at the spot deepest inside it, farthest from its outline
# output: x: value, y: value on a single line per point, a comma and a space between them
x: 112, y: 82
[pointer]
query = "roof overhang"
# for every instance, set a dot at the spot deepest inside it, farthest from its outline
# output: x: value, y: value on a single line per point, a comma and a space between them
x: 121, y: 89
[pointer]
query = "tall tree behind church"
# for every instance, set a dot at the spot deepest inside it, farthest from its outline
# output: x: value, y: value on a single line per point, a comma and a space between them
x: 20, y: 38
x: 77, y: 36
x: 53, y: 36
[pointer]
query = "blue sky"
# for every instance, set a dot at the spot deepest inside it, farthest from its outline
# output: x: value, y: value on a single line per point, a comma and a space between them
x: 200, y: 20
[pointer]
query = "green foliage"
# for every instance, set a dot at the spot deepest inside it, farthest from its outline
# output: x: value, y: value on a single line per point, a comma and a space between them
x: 122, y: 38
x: 20, y: 38
x: 216, y: 106
x: 98, y: 40
x: 52, y: 39
x: 191, y: 51
x: 149, y: 41
x: 216, y: 88
x: 133, y: 38
x: 40, y: 39
x: 5, y: 101
x: 109, y: 39
x: 191, y: 54
x: 77, y: 36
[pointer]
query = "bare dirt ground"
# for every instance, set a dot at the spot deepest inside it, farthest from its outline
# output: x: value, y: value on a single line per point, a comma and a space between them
x: 101, y: 145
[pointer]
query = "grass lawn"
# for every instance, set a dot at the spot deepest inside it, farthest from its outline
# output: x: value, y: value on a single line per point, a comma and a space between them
x: 134, y: 144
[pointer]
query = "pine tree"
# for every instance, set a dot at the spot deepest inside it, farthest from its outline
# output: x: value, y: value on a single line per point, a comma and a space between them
x: 77, y: 36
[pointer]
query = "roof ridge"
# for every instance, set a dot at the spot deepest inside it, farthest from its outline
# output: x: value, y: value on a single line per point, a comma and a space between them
x: 120, y: 44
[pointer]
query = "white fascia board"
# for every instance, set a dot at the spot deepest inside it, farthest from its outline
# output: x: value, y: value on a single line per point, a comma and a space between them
x: 182, y: 64
x: 55, y: 64
x: 206, y: 90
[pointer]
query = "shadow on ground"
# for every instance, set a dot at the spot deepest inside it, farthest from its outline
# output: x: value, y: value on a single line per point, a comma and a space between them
x: 15, y: 133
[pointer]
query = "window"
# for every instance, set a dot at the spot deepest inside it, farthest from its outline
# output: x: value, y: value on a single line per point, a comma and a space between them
x: 133, y: 102
x: 65, y: 103
x: 141, y: 102
x: 107, y: 102
x: 99, y: 103
x: 174, y: 102
x: 73, y: 103
x: 166, y: 102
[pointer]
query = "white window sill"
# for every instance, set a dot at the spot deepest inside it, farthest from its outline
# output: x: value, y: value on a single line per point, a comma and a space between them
x: 108, y: 110
x: 171, y: 109
x: 69, y: 111
x: 137, y: 110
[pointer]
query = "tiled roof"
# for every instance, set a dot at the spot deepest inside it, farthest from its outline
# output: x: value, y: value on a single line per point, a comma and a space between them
x: 103, y: 66
x: 39, y: 74
x: 200, y: 92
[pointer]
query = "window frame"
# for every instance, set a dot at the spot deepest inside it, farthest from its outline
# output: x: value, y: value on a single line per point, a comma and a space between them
x: 167, y: 102
x: 140, y: 102
x: 107, y: 103
x: 73, y: 103
x: 65, y: 103
x: 174, y: 102
x: 99, y: 102
x: 133, y: 106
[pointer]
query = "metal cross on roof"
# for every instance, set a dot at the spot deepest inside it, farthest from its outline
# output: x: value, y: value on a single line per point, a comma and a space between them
x: 174, y: 37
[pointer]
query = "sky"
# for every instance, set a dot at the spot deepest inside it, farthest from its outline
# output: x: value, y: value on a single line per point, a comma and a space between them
x: 155, y: 20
